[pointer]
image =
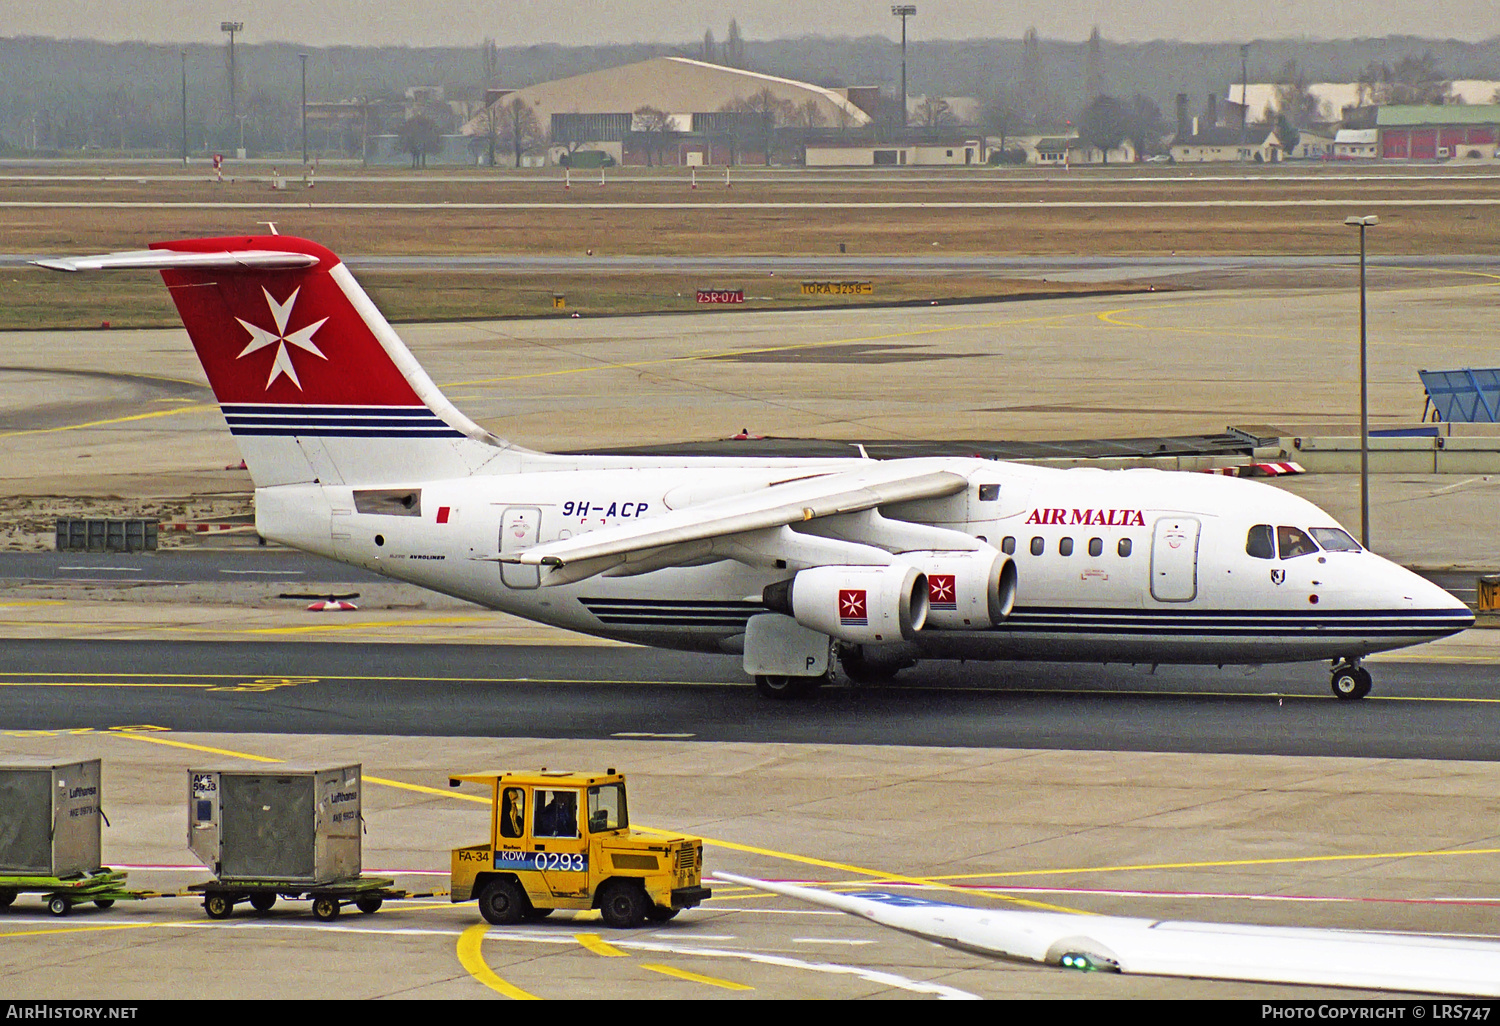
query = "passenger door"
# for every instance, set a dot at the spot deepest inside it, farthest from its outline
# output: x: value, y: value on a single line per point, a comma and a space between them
x: 1174, y: 559
x: 520, y: 528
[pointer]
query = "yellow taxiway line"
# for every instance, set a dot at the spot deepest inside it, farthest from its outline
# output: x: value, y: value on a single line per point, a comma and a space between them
x: 471, y: 958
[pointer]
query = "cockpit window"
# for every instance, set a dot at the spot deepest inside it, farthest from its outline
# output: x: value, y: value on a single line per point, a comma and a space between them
x: 1260, y: 542
x: 1334, y: 540
x: 1293, y: 541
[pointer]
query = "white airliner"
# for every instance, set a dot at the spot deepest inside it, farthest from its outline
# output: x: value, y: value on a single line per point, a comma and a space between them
x: 790, y: 563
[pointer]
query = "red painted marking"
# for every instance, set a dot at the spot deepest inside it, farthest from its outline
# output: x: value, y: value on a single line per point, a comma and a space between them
x: 442, y: 516
x: 354, y: 368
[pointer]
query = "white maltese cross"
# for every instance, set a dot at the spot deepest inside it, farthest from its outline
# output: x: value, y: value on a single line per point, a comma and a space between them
x: 281, y: 313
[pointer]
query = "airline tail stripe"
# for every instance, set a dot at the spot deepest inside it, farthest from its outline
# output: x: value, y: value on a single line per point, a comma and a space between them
x: 286, y: 409
x: 349, y: 432
x: 337, y: 421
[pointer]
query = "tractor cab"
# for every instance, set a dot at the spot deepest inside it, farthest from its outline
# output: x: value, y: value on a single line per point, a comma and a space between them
x: 563, y: 840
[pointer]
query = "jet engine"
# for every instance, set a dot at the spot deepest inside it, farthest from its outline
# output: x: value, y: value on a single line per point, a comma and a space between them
x: 966, y: 590
x: 864, y: 605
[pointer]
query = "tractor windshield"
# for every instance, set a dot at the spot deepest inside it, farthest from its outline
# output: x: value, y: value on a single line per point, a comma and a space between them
x: 607, y: 808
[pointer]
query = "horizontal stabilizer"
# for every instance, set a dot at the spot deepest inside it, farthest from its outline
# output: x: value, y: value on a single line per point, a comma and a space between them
x: 166, y: 260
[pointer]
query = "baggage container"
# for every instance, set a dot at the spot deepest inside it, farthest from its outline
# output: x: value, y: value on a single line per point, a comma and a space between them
x: 49, y: 817
x: 290, y: 825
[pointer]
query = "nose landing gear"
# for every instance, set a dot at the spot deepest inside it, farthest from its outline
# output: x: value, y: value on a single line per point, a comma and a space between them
x: 1350, y: 680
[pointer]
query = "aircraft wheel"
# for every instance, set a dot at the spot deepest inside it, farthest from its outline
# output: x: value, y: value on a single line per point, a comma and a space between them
x: 1351, y: 682
x: 502, y: 902
x: 623, y: 904
x: 784, y: 688
x: 863, y: 670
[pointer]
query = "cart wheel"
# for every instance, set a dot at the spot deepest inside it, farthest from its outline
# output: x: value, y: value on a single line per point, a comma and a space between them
x: 218, y: 906
x: 103, y: 902
x: 6, y: 897
x: 59, y: 906
x: 263, y: 901
x: 325, y: 908
x: 369, y: 904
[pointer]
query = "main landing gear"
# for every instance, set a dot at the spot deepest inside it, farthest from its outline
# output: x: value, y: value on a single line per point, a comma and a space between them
x: 1350, y: 680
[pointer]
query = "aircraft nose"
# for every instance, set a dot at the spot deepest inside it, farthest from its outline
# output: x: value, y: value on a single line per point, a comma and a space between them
x: 1423, y: 597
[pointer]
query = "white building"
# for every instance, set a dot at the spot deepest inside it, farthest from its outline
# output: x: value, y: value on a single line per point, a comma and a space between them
x: 596, y: 111
x: 1333, y: 97
x: 1356, y: 143
x: 1255, y: 145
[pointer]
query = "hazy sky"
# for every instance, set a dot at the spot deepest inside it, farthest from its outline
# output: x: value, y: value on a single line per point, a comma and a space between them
x: 463, y: 22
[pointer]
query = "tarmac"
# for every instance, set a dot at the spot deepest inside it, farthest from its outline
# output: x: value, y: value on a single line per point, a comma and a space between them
x: 1408, y: 844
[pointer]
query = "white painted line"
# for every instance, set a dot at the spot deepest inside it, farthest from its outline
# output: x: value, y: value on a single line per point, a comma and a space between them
x: 553, y: 937
x: 288, y: 572
x: 646, y: 733
x: 106, y: 569
x: 828, y: 940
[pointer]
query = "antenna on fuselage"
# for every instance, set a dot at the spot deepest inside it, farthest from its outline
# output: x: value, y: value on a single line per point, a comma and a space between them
x: 271, y: 225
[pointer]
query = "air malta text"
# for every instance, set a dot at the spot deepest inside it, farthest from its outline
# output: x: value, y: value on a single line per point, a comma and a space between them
x: 1088, y: 517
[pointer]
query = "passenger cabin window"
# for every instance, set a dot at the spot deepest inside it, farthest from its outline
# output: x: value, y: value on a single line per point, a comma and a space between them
x: 1334, y: 540
x: 556, y: 814
x: 513, y: 812
x: 1038, y: 546
x: 1294, y: 542
x: 1124, y: 547
x: 1096, y: 546
x: 1065, y: 546
x: 1260, y: 543
x: 989, y: 492
x: 1008, y: 545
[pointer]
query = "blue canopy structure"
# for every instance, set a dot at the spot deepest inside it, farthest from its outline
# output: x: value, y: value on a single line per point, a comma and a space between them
x: 1467, y: 396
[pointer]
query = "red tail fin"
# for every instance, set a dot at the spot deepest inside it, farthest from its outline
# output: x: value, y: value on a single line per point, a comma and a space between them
x: 283, y: 336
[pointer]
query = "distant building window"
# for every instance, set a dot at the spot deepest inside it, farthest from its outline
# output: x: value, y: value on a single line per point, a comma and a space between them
x: 885, y: 157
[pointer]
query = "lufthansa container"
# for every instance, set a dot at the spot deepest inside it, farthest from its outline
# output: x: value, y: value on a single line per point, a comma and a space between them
x: 49, y: 817
x: 292, y: 824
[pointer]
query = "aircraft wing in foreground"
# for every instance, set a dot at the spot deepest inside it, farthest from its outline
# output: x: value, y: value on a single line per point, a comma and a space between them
x: 1365, y: 960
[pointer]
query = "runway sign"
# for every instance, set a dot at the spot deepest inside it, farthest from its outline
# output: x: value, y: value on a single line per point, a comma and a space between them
x: 838, y: 288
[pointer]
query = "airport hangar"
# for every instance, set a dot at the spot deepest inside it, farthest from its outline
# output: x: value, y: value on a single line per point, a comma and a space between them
x: 597, y: 111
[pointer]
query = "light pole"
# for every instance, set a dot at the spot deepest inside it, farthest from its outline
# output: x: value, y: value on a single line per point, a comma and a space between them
x: 1364, y: 387
x: 183, y: 55
x: 304, y: 108
x: 903, y: 11
x: 231, y: 27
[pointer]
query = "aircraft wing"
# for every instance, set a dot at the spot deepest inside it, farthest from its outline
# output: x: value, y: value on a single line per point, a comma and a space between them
x: 790, y: 502
x: 1222, y: 951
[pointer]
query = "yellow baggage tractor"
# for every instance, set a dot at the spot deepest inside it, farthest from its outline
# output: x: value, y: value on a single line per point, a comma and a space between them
x: 563, y: 840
